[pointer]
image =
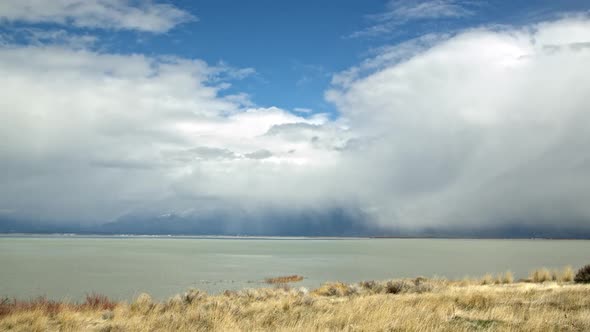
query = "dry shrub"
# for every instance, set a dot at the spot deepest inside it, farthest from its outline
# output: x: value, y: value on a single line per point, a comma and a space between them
x: 96, y: 301
x: 371, y: 286
x: 421, y: 285
x: 583, y: 275
x: 193, y: 295
x: 417, y: 285
x: 283, y: 279
x: 49, y: 307
x: 335, y: 289
x: 396, y: 287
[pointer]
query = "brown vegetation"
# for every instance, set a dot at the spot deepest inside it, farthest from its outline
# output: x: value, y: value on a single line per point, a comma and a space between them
x: 283, y: 280
x: 49, y: 307
x: 418, y: 304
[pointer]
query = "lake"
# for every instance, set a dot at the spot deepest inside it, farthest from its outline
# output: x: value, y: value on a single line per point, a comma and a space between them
x: 122, y: 267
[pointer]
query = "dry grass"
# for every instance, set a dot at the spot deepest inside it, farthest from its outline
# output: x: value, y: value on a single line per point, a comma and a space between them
x: 283, y: 280
x: 418, y: 304
x: 51, y: 308
x: 544, y: 274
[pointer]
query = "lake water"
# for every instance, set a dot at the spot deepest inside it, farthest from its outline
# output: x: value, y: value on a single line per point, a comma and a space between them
x: 69, y: 267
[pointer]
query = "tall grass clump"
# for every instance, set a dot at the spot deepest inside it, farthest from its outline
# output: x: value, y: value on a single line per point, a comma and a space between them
x: 567, y: 275
x: 488, y: 279
x: 507, y: 277
x: 583, y: 275
x: 540, y: 275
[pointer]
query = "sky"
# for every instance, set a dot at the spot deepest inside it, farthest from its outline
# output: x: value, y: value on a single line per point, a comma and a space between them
x: 434, y: 117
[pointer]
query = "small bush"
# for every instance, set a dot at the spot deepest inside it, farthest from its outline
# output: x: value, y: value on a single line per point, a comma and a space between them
x: 49, y: 307
x: 98, y: 301
x: 193, y: 295
x: 371, y: 286
x: 396, y: 287
x: 335, y: 289
x: 583, y: 275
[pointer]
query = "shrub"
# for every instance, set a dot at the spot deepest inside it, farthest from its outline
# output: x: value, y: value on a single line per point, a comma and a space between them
x: 193, y: 295
x: 396, y: 287
x: 423, y: 287
x: 335, y: 289
x: 41, y: 303
x: 583, y: 275
x: 371, y: 286
x: 98, y: 301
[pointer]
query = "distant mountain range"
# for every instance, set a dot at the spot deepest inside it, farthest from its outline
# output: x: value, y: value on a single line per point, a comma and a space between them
x: 336, y: 223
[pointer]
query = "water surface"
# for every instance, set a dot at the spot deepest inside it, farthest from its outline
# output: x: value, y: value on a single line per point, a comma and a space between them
x: 69, y: 267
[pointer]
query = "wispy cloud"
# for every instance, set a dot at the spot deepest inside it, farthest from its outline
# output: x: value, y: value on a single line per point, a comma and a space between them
x: 49, y: 37
x: 104, y: 14
x: 400, y: 12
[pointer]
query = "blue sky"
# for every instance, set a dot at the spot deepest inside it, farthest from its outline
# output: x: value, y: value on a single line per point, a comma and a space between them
x: 296, y: 47
x: 395, y: 115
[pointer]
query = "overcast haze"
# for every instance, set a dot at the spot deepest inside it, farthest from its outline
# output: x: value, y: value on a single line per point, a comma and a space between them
x: 433, y: 117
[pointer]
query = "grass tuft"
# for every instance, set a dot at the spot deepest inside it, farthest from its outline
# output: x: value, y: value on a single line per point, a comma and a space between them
x: 567, y: 275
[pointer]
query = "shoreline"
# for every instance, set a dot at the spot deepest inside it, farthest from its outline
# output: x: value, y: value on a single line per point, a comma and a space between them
x: 257, y: 237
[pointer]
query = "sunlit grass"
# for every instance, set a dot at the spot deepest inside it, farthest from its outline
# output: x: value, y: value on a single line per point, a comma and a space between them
x: 494, y: 303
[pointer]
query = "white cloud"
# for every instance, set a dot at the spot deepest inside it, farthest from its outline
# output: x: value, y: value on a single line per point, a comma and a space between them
x: 144, y: 15
x: 400, y: 12
x: 424, y: 9
x: 87, y: 135
x: 483, y: 128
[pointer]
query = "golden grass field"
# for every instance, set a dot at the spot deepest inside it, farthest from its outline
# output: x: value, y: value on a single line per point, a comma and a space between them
x: 551, y: 302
